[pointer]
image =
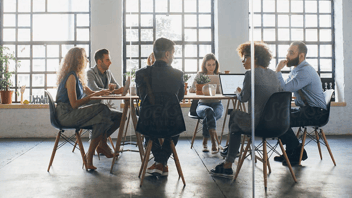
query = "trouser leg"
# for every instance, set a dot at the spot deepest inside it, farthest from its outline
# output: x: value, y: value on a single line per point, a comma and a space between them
x: 162, y: 152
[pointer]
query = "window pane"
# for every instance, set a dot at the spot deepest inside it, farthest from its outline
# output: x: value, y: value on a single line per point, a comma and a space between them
x: 82, y: 34
x: 82, y: 19
x: 9, y: 6
x: 311, y: 35
x: 161, y: 5
x: 45, y: 30
x: 52, y: 50
x: 52, y: 64
x: 38, y: 5
x: 178, y: 51
x: 146, y: 50
x: 24, y: 20
x: 191, y: 51
x: 38, y: 80
x: 9, y: 34
x: 146, y: 6
x: 297, y: 34
x: 169, y: 27
x: 146, y: 35
x: 190, y: 6
x: 64, y: 49
x: 297, y: 20
x: 24, y: 6
x: 257, y: 34
x: 175, y: 5
x: 23, y: 50
x: 268, y: 5
x: 131, y: 35
x: 257, y: 20
x: 190, y: 35
x: 325, y: 65
x: 325, y: 21
x: 25, y: 66
x: 273, y: 50
x: 68, y: 5
x: 9, y: 20
x: 269, y: 34
x: 23, y: 79
x: 282, y: 50
x: 325, y: 50
x: 314, y: 63
x: 131, y: 63
x: 204, y: 5
x: 24, y: 34
x: 204, y: 49
x: 312, y: 51
x: 311, y: 6
x: 325, y: 6
x: 132, y: 50
x: 190, y: 65
x: 269, y: 20
x: 297, y: 6
x: 311, y: 21
x: 283, y: 6
x: 51, y: 82
x: 205, y: 35
x: 283, y: 34
x: 177, y: 64
x: 38, y: 92
x: 132, y: 20
x: 325, y: 35
x: 283, y: 21
x: 191, y: 20
x: 146, y: 20
x: 38, y: 64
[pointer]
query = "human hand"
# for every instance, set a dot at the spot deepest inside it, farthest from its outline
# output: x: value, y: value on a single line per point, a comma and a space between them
x: 112, y: 86
x: 103, y: 92
x: 118, y: 91
x: 281, y: 65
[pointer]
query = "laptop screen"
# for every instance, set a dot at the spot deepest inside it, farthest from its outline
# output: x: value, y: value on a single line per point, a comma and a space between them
x: 230, y: 82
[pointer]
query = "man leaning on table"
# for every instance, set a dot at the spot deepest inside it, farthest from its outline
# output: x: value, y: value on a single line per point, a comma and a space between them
x: 163, y: 78
x: 306, y: 86
x: 100, y: 77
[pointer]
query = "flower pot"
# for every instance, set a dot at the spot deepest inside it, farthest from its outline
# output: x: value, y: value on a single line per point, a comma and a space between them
x: 6, y: 97
x: 199, y: 89
x: 186, y: 85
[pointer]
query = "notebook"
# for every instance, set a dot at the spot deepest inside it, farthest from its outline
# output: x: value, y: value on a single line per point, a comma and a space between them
x: 230, y: 82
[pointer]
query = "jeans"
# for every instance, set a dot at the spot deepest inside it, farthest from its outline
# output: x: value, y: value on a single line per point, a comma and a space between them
x: 210, y: 113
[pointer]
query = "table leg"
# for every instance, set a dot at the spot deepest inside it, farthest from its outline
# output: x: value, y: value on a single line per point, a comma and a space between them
x: 138, y: 135
x: 120, y: 134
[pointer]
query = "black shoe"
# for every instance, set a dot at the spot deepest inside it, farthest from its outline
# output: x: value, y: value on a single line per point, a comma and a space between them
x: 223, y: 153
x: 219, y: 169
x: 280, y: 158
x: 294, y: 157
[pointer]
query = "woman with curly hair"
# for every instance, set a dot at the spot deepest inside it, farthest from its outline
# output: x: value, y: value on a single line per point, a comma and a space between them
x: 70, y: 99
x: 266, y: 83
x: 209, y: 110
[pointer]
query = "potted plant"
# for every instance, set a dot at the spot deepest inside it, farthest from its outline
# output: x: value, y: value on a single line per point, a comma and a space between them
x: 201, y: 80
x: 5, y: 75
x: 186, y: 77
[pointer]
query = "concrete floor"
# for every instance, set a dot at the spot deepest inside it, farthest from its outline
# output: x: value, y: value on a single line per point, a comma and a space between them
x: 23, y: 165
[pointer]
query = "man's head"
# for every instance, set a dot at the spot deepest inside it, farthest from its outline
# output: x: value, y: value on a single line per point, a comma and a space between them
x: 163, y: 49
x: 102, y: 59
x: 296, y: 53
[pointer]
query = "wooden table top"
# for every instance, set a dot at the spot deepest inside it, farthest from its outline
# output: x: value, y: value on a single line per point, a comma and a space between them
x: 188, y: 96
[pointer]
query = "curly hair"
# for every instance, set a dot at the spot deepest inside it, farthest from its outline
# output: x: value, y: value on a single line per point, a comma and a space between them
x: 207, y: 57
x: 262, y: 53
x: 75, y: 60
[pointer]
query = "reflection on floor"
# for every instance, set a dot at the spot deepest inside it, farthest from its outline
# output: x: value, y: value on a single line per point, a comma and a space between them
x: 23, y: 165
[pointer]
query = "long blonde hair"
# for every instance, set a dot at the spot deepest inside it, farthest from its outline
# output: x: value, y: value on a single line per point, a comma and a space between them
x: 75, y: 60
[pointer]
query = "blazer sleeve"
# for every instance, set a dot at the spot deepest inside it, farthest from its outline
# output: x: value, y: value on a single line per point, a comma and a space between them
x: 181, y: 91
x: 113, y: 80
x: 91, y: 76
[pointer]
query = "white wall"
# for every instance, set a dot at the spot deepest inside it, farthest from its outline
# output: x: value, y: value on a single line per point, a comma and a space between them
x: 231, y: 30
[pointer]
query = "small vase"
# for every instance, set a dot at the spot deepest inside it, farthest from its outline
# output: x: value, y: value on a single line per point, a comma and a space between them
x: 199, y: 89
x: 186, y: 85
x: 6, y: 97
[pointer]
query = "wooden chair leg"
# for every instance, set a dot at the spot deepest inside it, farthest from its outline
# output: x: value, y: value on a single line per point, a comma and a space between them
x: 265, y: 159
x: 302, y: 148
x: 54, y: 149
x: 177, y: 162
x: 81, y: 149
x: 195, y: 133
x: 128, y: 121
x: 74, y: 147
x: 287, y: 160
x: 223, y: 125
x: 318, y: 143
x: 298, y: 132
x: 239, y: 165
x: 112, y: 144
x: 327, y: 146
x: 146, y: 159
x: 269, y: 167
x: 242, y: 146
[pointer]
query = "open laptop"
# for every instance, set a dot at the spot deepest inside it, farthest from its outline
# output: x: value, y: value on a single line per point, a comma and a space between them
x: 230, y: 82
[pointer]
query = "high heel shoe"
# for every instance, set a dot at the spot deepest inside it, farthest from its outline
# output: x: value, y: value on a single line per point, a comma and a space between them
x: 105, y: 151
x: 89, y: 165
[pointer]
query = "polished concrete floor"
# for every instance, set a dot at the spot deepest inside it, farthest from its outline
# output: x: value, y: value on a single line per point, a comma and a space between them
x: 23, y: 165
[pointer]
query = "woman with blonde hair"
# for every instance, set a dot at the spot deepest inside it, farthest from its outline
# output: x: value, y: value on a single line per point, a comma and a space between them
x: 70, y: 99
x: 209, y: 110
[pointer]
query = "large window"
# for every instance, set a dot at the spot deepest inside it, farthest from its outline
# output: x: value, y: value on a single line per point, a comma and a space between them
x: 189, y: 23
x: 40, y: 32
x: 280, y: 22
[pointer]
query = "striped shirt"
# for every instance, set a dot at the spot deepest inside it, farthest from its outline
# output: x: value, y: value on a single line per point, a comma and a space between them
x: 305, y: 78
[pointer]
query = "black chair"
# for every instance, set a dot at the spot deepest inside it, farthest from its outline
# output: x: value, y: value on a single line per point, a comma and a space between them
x: 193, y: 115
x: 317, y: 126
x: 167, y: 114
x: 56, y: 124
x: 274, y: 122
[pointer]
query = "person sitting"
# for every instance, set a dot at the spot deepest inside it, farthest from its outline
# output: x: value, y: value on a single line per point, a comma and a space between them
x: 209, y: 110
x: 99, y: 78
x: 266, y: 84
x: 306, y: 86
x: 163, y: 78
x: 70, y: 109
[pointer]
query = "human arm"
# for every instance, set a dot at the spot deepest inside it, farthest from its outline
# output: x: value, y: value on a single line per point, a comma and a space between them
x: 193, y: 88
x: 92, y: 84
x: 295, y: 82
x: 72, y: 96
x: 245, y: 94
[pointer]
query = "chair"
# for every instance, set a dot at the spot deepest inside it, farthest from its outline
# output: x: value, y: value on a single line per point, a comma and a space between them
x: 165, y: 104
x: 317, y: 126
x: 56, y: 124
x: 274, y: 122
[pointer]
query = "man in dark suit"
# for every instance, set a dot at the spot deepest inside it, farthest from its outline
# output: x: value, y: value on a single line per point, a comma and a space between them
x: 161, y: 77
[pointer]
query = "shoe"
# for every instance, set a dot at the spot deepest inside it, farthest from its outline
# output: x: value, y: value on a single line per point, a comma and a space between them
x: 105, y: 151
x: 280, y: 158
x: 205, y: 146
x: 156, y: 169
x: 294, y: 157
x: 223, y: 153
x: 165, y: 171
x: 214, y: 150
x: 219, y: 169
